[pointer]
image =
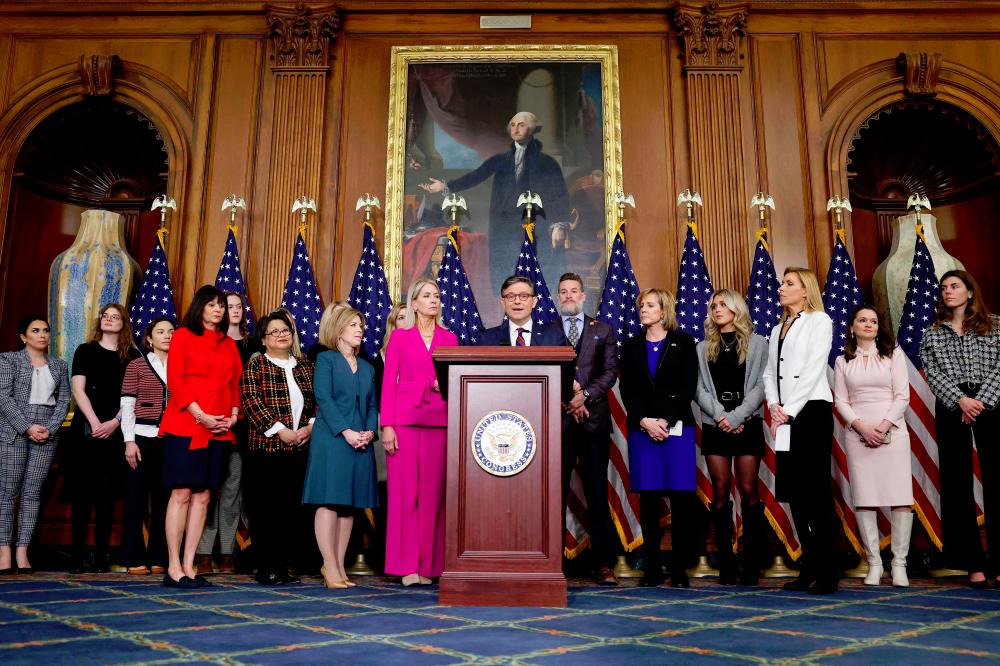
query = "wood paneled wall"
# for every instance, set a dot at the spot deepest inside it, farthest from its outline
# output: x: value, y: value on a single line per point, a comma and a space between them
x: 805, y: 76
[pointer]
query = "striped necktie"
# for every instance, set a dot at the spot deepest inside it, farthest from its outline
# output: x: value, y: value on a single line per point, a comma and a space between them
x: 520, y: 342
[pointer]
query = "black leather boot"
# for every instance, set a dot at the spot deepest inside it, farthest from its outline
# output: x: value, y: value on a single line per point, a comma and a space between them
x: 722, y: 522
x: 754, y: 542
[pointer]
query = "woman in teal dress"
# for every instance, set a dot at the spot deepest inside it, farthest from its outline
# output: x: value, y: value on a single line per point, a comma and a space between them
x: 341, y: 473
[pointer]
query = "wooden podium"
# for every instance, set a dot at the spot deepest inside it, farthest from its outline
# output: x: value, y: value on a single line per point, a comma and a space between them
x: 504, y: 533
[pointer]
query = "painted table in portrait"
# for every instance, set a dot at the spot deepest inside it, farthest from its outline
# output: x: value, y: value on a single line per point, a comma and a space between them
x: 491, y: 122
x: 504, y: 486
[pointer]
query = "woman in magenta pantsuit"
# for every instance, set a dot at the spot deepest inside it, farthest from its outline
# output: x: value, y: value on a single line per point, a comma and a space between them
x: 414, y: 422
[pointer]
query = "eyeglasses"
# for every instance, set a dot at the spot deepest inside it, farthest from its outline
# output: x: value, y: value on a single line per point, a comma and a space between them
x: 279, y: 333
x: 510, y: 298
x: 111, y: 317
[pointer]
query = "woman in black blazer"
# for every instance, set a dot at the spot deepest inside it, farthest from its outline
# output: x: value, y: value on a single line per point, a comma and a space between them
x: 659, y: 376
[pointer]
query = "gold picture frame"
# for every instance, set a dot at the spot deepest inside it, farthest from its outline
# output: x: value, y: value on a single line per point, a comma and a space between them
x: 404, y: 57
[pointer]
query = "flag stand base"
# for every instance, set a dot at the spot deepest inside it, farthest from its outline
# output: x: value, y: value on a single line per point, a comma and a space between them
x: 623, y: 570
x: 702, y: 569
x: 779, y: 570
x: 944, y: 572
x: 360, y: 567
x: 859, y: 571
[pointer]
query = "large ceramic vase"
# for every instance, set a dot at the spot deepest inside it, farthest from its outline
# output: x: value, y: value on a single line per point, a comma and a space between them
x: 893, y: 274
x: 94, y: 271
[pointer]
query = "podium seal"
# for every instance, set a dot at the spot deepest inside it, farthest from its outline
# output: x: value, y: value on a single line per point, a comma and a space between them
x: 503, y: 443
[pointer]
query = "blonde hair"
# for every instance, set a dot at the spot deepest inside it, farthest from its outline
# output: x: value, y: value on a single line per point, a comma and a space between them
x: 390, y: 322
x: 326, y: 320
x: 411, y: 295
x: 667, y: 303
x: 335, y: 325
x: 742, y: 322
x: 814, y: 298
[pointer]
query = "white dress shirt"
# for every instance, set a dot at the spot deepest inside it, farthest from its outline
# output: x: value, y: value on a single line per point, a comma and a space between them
x: 513, y: 333
x: 43, y: 387
x: 518, y: 159
x: 294, y: 394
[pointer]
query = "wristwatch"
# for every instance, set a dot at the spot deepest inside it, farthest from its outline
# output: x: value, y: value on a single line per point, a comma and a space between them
x: 586, y: 395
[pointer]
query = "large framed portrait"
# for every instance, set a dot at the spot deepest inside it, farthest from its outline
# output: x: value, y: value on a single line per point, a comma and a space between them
x: 489, y: 123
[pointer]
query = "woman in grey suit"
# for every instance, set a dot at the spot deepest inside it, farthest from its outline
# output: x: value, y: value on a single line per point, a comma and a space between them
x: 731, y: 362
x: 34, y: 399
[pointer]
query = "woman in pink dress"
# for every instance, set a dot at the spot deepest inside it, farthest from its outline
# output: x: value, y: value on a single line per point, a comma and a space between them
x: 871, y: 391
x: 414, y: 427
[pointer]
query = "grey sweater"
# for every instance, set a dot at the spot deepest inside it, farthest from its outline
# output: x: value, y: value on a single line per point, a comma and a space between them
x: 753, y: 386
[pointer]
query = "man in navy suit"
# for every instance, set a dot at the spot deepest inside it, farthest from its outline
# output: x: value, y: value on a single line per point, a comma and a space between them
x: 519, y: 300
x: 586, y: 424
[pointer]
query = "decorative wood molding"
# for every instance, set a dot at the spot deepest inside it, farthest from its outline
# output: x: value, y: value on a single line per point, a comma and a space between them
x: 98, y: 74
x: 711, y: 36
x: 920, y: 72
x: 302, y: 35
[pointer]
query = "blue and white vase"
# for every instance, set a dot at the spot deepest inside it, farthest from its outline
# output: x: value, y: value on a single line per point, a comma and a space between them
x: 94, y: 271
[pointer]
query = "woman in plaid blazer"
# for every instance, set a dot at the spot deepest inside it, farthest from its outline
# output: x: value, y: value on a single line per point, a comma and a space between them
x: 34, y: 398
x: 277, y: 393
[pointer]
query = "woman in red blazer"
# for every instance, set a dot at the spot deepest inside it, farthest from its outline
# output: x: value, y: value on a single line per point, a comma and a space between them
x: 203, y: 379
x: 414, y: 422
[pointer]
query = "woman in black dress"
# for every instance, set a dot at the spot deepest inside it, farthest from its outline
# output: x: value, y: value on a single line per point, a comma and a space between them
x: 95, y: 467
x: 731, y: 362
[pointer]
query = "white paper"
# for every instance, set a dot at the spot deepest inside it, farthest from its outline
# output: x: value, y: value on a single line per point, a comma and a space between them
x: 783, y: 438
x: 677, y: 429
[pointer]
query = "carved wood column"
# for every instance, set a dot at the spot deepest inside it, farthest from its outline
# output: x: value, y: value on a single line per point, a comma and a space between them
x: 300, y: 46
x: 711, y: 39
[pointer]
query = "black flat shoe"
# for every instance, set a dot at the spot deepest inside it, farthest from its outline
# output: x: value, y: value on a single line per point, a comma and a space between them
x: 25, y: 571
x: 824, y: 588
x: 268, y: 578
x: 798, y: 585
x: 9, y: 571
x: 201, y: 581
x: 288, y: 579
x: 979, y: 584
x: 680, y: 580
x: 184, y: 583
x: 651, y: 581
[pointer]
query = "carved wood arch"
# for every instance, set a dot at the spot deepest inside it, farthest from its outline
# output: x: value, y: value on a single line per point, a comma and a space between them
x: 878, y: 86
x: 135, y: 86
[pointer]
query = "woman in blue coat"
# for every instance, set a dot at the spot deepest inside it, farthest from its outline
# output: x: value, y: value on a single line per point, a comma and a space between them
x: 341, y: 473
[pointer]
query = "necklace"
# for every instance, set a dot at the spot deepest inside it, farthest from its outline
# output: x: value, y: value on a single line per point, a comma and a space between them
x: 727, y: 346
x: 656, y: 344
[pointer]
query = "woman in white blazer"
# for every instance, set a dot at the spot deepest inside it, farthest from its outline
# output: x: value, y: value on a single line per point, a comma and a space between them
x: 798, y: 395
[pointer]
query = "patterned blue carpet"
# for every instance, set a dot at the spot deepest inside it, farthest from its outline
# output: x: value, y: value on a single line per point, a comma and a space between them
x: 55, y: 619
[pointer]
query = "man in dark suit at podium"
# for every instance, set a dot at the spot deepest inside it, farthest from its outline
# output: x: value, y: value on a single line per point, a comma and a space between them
x: 519, y: 299
x: 586, y: 425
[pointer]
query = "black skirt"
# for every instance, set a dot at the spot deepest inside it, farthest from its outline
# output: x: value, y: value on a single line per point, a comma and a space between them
x: 200, y: 469
x: 803, y: 473
x: 750, y: 442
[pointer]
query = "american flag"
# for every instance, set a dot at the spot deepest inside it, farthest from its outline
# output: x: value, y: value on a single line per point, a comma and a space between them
x: 762, y: 293
x: 618, y: 310
x: 155, y: 297
x: 840, y: 296
x: 370, y: 293
x: 765, y: 311
x: 458, y: 304
x: 922, y: 292
x: 694, y: 287
x: 301, y: 296
x: 527, y: 266
x: 230, y: 277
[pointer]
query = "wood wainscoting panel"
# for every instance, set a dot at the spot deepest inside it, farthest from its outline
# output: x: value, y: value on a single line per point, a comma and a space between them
x: 780, y: 128
x: 233, y: 143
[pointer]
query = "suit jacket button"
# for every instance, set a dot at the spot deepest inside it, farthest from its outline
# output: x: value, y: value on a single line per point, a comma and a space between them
x: 780, y: 377
x: 782, y: 359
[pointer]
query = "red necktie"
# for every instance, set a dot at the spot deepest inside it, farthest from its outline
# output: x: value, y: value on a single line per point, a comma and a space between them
x: 520, y: 338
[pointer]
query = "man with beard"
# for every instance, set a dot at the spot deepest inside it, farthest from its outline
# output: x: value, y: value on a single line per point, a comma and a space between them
x: 586, y: 424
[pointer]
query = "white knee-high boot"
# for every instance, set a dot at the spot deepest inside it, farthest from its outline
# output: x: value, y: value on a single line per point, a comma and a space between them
x: 902, y: 526
x: 868, y: 527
